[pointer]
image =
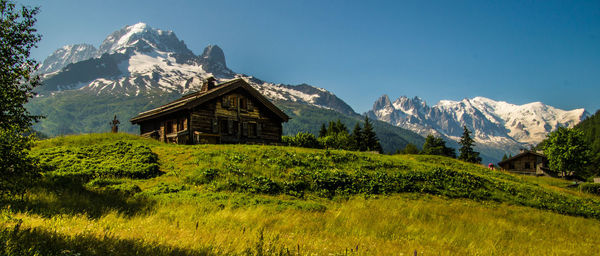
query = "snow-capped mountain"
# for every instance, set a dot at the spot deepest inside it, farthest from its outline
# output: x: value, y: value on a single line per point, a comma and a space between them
x: 495, y: 124
x: 139, y: 59
x: 66, y: 55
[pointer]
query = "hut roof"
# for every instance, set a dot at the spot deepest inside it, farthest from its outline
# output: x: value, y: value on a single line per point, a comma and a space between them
x: 193, y: 99
x: 522, y: 154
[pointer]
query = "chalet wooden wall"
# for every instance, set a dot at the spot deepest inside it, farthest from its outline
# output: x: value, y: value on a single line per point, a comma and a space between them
x: 232, y: 113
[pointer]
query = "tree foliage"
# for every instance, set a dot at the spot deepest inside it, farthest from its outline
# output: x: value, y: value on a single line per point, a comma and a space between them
x: 567, y: 151
x: 591, y: 133
x: 302, y: 139
x: 335, y: 135
x: 17, y: 38
x: 437, y: 146
x: 410, y: 149
x: 370, y: 140
x: 467, y: 153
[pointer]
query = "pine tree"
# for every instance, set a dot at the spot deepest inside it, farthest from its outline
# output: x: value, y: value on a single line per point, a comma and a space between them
x: 341, y: 127
x: 357, y: 138
x: 323, y: 131
x: 467, y: 153
x: 504, y: 157
x: 370, y: 139
x: 437, y: 146
x: 410, y: 149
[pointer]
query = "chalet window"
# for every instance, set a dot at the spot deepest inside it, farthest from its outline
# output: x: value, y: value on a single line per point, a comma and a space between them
x: 181, y: 125
x: 169, y: 127
x: 258, y: 129
x: 224, y: 126
x: 215, y: 126
x: 236, y: 127
x: 225, y: 102
x: 245, y: 129
x: 250, y: 107
x: 511, y: 166
x: 243, y: 104
x: 252, y: 129
x: 232, y: 101
x: 230, y: 126
x: 527, y: 165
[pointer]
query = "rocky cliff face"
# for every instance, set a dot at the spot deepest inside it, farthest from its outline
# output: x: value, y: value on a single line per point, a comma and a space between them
x: 66, y: 55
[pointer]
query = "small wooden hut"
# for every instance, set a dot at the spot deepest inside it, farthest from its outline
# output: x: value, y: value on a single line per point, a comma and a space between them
x: 230, y: 112
x: 526, y: 162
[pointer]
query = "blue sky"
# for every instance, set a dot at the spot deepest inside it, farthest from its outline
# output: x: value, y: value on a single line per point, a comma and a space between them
x: 516, y: 51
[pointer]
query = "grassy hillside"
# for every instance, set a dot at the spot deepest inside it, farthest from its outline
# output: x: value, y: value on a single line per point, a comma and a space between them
x: 162, y: 199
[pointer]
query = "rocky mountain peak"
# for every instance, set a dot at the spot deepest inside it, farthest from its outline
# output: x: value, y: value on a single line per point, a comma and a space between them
x: 66, y: 55
x: 213, y: 61
x: 141, y: 37
x: 383, y: 102
x: 214, y: 54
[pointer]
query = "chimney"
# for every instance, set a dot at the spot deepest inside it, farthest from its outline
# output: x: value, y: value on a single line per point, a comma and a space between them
x: 209, y: 84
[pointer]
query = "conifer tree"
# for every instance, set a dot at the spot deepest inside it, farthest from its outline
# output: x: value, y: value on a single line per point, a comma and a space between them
x: 370, y: 138
x: 467, y: 153
x: 357, y: 138
x: 410, y: 149
x: 323, y: 131
x: 437, y: 146
x: 341, y: 127
x: 504, y: 157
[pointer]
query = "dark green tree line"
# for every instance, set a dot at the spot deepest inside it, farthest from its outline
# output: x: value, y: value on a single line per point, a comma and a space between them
x: 335, y: 135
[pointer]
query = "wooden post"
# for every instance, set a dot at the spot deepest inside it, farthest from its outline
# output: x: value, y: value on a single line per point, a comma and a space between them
x: 114, y: 124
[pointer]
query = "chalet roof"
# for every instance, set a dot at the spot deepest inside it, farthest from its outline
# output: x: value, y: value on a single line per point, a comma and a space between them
x: 193, y: 99
x: 522, y: 154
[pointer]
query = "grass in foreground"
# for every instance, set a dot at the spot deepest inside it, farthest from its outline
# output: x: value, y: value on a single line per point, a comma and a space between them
x: 260, y: 200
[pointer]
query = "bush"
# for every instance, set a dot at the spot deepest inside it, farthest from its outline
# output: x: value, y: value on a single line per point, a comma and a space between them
x: 202, y: 176
x: 108, y: 160
x: 592, y: 188
x: 302, y: 139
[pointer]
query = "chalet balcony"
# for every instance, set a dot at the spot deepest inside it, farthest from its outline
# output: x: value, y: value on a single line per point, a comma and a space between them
x: 180, y: 137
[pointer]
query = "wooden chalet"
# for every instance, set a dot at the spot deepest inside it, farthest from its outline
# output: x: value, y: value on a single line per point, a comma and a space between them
x: 527, y: 162
x: 230, y: 112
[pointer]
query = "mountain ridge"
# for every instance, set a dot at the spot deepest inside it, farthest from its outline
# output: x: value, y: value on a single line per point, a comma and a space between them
x: 140, y: 59
x: 494, y: 123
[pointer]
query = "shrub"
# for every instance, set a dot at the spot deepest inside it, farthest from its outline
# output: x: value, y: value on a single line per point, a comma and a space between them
x: 302, y: 139
x: 592, y: 188
x: 108, y: 160
x: 202, y: 176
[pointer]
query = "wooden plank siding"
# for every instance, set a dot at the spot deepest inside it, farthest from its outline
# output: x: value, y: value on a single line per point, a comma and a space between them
x: 234, y: 117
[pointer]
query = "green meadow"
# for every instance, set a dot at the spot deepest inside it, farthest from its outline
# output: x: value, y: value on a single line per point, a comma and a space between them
x: 118, y: 194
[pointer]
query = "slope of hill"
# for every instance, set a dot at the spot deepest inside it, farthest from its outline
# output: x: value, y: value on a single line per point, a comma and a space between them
x: 265, y: 200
